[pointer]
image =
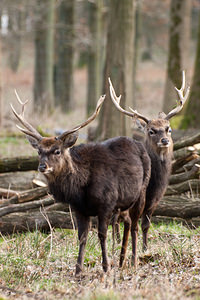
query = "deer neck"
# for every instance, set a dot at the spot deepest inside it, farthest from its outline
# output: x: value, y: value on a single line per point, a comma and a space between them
x: 74, y: 176
x: 163, y: 155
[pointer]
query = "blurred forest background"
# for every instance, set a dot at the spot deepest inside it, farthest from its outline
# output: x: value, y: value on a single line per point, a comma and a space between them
x: 60, y: 53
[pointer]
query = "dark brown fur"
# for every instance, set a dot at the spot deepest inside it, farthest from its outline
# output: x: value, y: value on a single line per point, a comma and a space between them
x: 160, y: 170
x: 96, y: 180
x: 157, y: 133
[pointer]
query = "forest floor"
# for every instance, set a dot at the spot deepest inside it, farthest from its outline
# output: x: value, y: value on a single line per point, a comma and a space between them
x: 41, y: 266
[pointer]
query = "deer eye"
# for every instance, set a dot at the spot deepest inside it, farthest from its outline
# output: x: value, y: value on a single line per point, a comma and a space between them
x: 57, y: 152
x: 169, y: 130
x: 151, y: 131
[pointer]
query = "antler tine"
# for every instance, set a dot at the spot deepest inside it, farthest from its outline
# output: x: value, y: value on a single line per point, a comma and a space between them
x: 89, y: 120
x: 182, y: 98
x: 116, y: 101
x: 136, y: 114
x: 30, y: 130
x: 22, y: 103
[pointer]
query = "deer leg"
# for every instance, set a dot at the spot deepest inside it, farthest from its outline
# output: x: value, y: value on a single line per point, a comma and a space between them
x: 127, y: 227
x: 135, y: 214
x: 117, y: 229
x: 102, y: 233
x: 83, y: 229
x: 114, y: 224
x: 146, y: 219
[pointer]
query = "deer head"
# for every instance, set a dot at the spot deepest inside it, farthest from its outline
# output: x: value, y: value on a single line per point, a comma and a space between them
x: 53, y: 151
x: 157, y: 131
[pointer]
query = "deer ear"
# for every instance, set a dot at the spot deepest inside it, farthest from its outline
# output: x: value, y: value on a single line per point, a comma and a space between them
x: 70, y: 140
x: 32, y: 141
x: 140, y: 125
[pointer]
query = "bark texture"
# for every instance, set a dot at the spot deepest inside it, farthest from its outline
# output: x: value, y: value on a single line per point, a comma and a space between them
x: 119, y: 67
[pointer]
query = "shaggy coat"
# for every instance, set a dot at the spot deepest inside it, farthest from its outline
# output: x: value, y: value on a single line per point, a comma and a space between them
x: 96, y: 180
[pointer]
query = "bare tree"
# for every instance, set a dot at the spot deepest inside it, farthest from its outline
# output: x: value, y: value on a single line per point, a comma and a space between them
x: 118, y: 66
x: 178, y: 48
x: 15, y: 36
x: 94, y: 53
x: 1, y: 102
x: 65, y: 55
x: 44, y: 55
x: 191, y: 116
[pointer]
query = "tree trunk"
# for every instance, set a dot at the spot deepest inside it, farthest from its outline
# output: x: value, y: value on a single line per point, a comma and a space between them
x: 94, y: 54
x: 44, y: 56
x: 40, y: 58
x: 65, y: 55
x: 15, y: 27
x: 191, y: 117
x: 178, y: 43
x: 49, y: 87
x: 119, y: 67
x: 136, y: 47
x: 1, y: 99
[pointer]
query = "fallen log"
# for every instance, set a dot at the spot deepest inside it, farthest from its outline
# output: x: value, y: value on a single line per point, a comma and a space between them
x: 188, y: 141
x: 23, y: 163
x: 35, y: 220
x: 6, y: 193
x: 184, y: 152
x: 28, y: 195
x: 191, y: 174
x: 188, y: 166
x: 30, y: 221
x: 18, y: 180
x: 190, y: 185
x: 180, y: 207
x: 180, y: 162
x: 26, y: 206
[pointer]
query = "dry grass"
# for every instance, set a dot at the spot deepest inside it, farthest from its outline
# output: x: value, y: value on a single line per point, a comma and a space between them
x: 170, y: 270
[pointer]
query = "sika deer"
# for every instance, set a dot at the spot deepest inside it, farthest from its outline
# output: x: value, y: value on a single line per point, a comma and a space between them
x: 95, y: 179
x: 159, y: 145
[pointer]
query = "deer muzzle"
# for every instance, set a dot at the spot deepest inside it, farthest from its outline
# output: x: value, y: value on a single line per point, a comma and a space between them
x: 164, y: 143
x: 44, y: 168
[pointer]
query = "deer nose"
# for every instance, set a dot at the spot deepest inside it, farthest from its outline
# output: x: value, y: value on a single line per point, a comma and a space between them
x: 42, y: 167
x: 165, y: 141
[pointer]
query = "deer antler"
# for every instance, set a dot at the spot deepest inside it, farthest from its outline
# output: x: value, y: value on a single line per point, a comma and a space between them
x: 90, y: 119
x: 182, y: 99
x: 116, y: 101
x: 30, y: 130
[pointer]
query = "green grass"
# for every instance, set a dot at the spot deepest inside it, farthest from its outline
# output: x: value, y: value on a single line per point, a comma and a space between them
x: 170, y: 268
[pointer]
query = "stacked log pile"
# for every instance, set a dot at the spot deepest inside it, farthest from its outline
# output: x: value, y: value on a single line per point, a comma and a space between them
x: 26, y: 205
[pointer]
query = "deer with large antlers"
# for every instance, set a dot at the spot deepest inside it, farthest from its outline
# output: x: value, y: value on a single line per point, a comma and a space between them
x: 159, y: 145
x: 96, y: 179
